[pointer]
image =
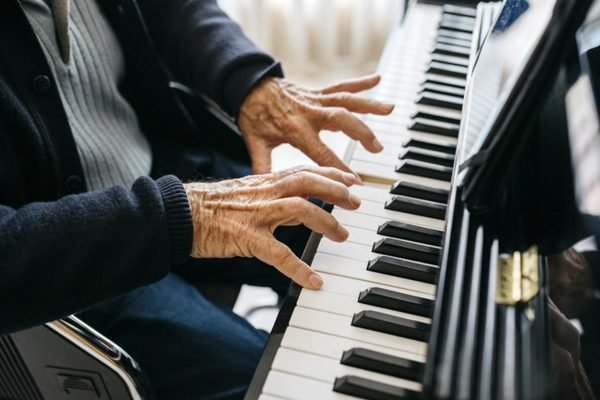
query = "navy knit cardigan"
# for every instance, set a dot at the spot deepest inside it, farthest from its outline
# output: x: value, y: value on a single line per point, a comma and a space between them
x: 63, y: 249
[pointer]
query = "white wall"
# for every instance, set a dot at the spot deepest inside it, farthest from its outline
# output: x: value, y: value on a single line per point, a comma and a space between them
x: 318, y: 40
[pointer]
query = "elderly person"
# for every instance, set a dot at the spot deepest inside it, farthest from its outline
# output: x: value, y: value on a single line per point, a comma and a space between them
x: 94, y: 220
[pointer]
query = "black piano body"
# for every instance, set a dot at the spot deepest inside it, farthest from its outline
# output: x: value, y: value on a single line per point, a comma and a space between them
x: 509, y: 203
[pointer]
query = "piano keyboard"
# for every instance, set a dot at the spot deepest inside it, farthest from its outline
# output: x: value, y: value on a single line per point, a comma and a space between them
x: 365, y: 333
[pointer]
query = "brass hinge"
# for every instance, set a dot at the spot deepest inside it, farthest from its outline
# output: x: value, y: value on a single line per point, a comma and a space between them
x: 517, y: 277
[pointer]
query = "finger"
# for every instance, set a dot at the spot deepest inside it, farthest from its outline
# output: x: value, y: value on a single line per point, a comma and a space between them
x: 260, y: 156
x: 353, y: 85
x: 281, y: 257
x: 300, y: 211
x: 340, y: 119
x: 323, y: 155
x: 308, y: 184
x: 355, y: 103
x: 337, y: 175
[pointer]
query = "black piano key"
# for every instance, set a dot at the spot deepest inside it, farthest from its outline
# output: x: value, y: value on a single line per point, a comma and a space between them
x: 452, y: 50
x: 454, y: 35
x: 415, y: 233
x: 403, y: 268
x: 408, y: 250
x: 436, y: 67
x: 371, y: 390
x: 395, y: 301
x: 456, y: 26
x: 462, y: 61
x: 445, y: 80
x: 430, y: 145
x: 415, y: 190
x: 459, y: 10
x: 435, y: 127
x: 430, y: 115
x: 425, y: 170
x: 454, y: 42
x: 383, y: 363
x: 441, y: 100
x: 442, y: 89
x: 434, y: 157
x: 397, y: 326
x: 414, y: 206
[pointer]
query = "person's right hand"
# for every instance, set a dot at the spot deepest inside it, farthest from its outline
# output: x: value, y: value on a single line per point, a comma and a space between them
x: 236, y: 218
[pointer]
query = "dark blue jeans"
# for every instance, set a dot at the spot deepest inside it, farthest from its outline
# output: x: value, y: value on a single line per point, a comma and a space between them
x: 188, y: 347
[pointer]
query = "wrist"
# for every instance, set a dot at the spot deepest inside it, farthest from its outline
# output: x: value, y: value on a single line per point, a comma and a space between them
x: 242, y: 82
x: 196, y: 192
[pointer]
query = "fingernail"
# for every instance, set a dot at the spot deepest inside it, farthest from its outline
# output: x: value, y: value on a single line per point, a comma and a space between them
x: 391, y: 107
x: 358, y: 179
x: 349, y: 179
x: 316, y: 281
x: 342, y: 233
x: 376, y: 145
x: 354, y: 200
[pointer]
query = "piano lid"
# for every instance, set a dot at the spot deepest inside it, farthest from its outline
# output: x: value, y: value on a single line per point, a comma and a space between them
x: 519, y: 59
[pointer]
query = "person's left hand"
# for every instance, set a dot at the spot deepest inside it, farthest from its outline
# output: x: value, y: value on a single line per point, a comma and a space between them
x: 278, y: 112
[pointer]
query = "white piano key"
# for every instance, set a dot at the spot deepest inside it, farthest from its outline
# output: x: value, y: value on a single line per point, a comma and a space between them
x: 388, y: 149
x: 294, y: 387
x: 351, y: 250
x: 266, y: 397
x: 333, y: 347
x: 383, y: 173
x: 445, y: 112
x: 365, y: 221
x: 397, y: 134
x: 351, y: 287
x: 385, y: 159
x: 326, y: 370
x: 363, y: 236
x: 378, y: 210
x: 339, y: 325
x: 344, y: 305
x: 336, y: 265
x: 376, y: 194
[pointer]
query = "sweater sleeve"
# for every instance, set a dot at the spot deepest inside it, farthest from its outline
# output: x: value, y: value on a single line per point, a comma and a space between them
x: 61, y: 257
x: 207, y: 50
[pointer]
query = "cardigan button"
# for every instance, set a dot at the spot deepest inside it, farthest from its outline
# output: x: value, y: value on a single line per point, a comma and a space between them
x: 74, y: 184
x: 41, y: 84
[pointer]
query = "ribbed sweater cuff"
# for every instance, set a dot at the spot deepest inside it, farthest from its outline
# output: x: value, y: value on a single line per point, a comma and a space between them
x: 179, y: 218
x: 239, y: 84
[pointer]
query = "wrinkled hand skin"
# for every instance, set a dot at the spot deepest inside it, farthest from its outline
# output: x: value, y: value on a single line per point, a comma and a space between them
x: 278, y: 112
x: 236, y: 218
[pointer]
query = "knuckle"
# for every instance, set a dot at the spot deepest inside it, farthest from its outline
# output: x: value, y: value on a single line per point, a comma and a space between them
x: 343, y: 114
x: 295, y: 204
x: 345, y: 97
x: 279, y: 254
x: 323, y: 154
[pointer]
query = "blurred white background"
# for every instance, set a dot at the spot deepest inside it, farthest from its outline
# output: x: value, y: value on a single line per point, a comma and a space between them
x: 319, y: 40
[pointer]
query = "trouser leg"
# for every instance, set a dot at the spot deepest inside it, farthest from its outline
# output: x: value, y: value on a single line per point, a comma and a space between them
x: 187, y: 347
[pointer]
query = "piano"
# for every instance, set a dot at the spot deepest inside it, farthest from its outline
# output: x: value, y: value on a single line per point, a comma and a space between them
x: 440, y: 290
